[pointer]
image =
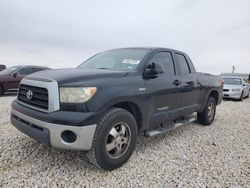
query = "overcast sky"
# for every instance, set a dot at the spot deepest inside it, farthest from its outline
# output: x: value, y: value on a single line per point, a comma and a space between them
x: 59, y: 33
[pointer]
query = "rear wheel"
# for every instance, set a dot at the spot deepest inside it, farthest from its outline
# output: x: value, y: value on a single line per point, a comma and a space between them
x: 207, y: 116
x: 114, y: 139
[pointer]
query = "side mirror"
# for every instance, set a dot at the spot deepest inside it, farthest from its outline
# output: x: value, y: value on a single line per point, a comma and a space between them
x: 153, y: 70
x: 150, y: 71
x: 16, y: 74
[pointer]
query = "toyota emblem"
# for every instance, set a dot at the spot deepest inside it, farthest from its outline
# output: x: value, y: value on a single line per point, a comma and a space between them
x: 29, y: 94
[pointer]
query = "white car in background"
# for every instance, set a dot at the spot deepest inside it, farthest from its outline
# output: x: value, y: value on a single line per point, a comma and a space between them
x: 235, y: 88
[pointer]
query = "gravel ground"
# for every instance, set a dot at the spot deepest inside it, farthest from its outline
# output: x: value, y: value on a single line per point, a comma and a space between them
x: 191, y: 156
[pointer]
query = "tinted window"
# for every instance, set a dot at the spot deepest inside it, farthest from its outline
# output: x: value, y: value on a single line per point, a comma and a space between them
x: 25, y: 71
x: 165, y: 59
x: 183, y: 64
x: 36, y: 69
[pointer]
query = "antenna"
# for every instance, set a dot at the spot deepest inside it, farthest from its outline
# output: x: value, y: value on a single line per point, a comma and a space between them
x: 233, y: 69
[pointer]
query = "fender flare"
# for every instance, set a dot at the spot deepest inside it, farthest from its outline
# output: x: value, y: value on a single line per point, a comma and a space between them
x: 207, y: 96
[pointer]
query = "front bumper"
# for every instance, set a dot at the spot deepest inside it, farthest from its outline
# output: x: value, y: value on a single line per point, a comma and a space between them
x: 51, y: 133
x: 233, y: 95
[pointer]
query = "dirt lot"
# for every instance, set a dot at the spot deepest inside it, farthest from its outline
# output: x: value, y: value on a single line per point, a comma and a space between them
x: 191, y: 156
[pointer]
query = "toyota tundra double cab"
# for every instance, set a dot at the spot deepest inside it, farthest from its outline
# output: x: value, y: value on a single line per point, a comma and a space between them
x: 105, y: 103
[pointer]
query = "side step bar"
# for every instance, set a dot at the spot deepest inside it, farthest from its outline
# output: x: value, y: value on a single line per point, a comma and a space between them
x: 164, y: 129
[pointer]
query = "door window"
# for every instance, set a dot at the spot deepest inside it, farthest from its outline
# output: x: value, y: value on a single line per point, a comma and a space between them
x: 166, y: 61
x: 183, y: 64
x: 25, y: 71
x: 36, y: 70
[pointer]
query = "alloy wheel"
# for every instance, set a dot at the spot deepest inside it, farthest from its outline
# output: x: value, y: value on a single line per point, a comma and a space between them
x: 118, y: 140
x: 211, y: 111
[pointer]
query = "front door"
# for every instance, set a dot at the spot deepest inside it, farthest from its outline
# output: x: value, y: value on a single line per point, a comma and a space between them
x: 163, y: 93
x: 18, y: 76
x: 12, y: 82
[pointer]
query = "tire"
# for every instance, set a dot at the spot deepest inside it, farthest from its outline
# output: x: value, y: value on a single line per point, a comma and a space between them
x: 241, y: 97
x: 1, y: 90
x: 207, y: 116
x: 113, y: 123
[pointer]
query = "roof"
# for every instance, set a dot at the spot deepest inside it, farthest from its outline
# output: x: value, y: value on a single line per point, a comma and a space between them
x: 149, y: 48
x: 33, y: 66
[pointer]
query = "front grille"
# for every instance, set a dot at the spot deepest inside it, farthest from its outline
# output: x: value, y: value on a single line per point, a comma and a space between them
x: 225, y: 89
x: 39, y: 99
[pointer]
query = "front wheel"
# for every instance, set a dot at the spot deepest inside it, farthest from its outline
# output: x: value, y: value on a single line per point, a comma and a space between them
x: 248, y: 94
x: 241, y: 96
x: 114, y: 140
x: 207, y: 116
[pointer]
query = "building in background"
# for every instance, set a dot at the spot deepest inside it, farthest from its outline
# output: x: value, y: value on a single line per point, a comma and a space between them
x: 243, y: 75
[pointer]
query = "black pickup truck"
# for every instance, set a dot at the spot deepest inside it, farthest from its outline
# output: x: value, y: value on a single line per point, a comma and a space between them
x: 105, y: 103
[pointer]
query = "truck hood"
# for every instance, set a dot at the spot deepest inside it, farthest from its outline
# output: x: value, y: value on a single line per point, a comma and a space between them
x: 77, y: 75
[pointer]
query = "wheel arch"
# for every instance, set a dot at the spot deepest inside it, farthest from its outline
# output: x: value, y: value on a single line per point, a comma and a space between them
x: 134, y: 109
x: 215, y: 95
x: 212, y: 93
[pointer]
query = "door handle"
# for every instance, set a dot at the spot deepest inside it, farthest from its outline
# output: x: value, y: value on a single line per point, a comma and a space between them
x: 190, y: 83
x: 176, y: 82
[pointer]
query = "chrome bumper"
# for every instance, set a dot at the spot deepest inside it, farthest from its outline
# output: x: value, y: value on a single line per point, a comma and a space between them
x: 234, y: 95
x: 50, y: 133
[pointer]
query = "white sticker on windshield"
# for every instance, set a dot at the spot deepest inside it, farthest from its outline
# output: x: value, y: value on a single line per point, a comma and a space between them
x: 131, y: 61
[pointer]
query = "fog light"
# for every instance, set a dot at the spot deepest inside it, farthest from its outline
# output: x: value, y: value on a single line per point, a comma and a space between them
x: 68, y: 136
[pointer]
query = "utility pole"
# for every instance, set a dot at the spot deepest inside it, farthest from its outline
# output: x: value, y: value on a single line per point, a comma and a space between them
x: 233, y: 69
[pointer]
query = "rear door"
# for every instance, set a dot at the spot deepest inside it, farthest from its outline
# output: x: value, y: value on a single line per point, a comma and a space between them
x: 163, y: 94
x: 190, y: 89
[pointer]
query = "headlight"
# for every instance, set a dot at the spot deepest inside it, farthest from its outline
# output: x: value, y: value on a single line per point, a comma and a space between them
x: 76, y: 94
x: 234, y: 90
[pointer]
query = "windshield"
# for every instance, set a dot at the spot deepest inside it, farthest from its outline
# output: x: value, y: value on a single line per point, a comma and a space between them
x: 120, y: 59
x: 8, y: 70
x: 232, y: 81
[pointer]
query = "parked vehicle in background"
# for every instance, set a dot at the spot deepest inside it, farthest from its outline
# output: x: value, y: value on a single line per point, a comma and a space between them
x: 235, y: 88
x: 102, y: 105
x: 241, y: 75
x: 246, y: 76
x: 11, y: 77
x: 2, y: 67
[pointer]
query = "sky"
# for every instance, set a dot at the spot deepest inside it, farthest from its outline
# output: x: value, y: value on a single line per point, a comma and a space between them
x: 64, y: 33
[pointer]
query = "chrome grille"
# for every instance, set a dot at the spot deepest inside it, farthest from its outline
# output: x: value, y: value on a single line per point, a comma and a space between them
x: 40, y: 97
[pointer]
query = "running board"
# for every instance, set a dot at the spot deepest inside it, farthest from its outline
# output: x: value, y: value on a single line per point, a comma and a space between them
x: 163, y: 129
